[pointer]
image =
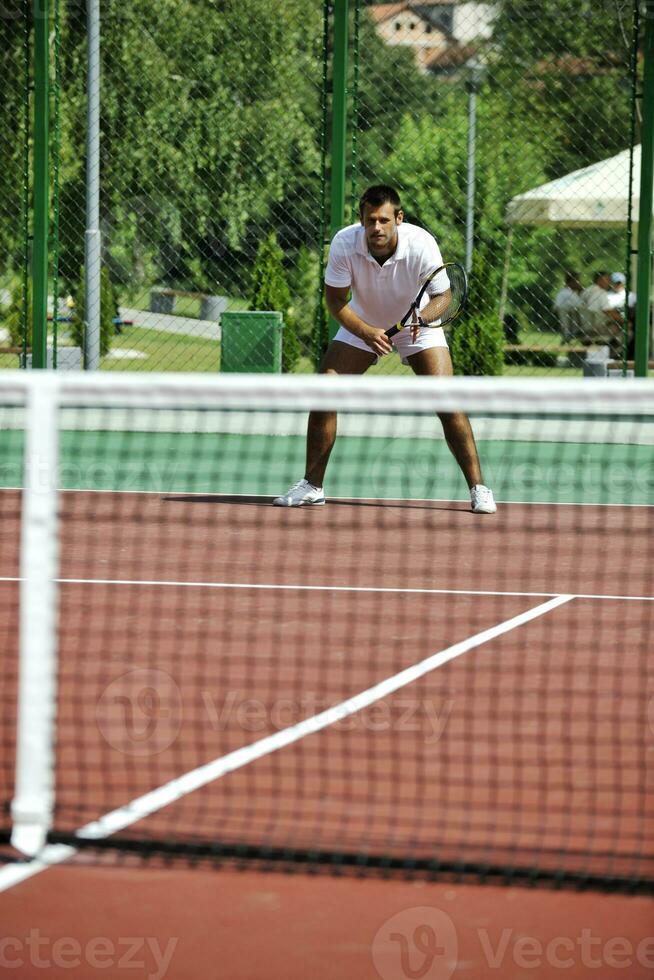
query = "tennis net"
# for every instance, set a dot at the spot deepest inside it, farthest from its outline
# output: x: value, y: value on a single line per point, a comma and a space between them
x: 386, y: 684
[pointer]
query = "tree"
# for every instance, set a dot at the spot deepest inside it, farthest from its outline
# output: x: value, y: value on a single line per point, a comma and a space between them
x: 12, y: 134
x: 564, y: 64
x: 429, y: 165
x: 210, y: 116
x: 108, y: 308
x: 269, y: 290
x: 476, y: 343
x: 18, y: 319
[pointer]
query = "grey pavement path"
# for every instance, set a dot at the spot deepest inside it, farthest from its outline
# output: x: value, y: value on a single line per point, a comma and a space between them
x: 167, y: 323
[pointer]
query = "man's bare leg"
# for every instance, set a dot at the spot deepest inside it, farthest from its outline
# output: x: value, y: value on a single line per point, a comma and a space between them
x: 321, y: 430
x: 436, y: 361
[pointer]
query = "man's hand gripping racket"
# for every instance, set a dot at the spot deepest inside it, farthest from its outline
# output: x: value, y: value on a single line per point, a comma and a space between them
x: 443, y: 306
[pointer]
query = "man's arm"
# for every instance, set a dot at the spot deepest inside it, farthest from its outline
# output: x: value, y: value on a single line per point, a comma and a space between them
x: 613, y: 317
x: 436, y: 306
x: 599, y: 316
x: 338, y: 305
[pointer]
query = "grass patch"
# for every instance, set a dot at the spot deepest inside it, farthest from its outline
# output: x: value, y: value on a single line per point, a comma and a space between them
x: 163, y: 352
x: 540, y: 338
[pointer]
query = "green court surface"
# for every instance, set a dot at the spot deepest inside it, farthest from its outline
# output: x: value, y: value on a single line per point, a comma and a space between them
x: 361, y: 467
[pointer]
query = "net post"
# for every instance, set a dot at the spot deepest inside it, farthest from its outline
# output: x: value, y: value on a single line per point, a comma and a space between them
x: 33, y: 801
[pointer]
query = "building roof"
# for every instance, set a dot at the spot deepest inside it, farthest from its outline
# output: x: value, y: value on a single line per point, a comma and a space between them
x: 451, y: 57
x: 384, y: 11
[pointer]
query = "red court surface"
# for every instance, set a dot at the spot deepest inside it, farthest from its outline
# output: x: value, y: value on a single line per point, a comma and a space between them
x: 544, y: 747
x: 210, y: 925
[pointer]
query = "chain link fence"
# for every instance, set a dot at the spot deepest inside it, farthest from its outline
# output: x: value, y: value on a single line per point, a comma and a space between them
x: 499, y: 100
x: 215, y: 118
x: 14, y: 180
x: 210, y: 171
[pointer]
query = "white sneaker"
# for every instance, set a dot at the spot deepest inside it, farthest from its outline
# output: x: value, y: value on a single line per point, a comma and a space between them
x: 300, y: 494
x: 482, y: 500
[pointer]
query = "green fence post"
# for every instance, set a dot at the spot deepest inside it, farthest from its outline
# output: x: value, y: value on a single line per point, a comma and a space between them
x: 644, y: 271
x: 41, y: 185
x: 339, y: 123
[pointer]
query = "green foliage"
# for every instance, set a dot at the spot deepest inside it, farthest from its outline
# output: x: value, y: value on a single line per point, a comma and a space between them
x: 208, y: 128
x: 17, y: 319
x: 291, y: 349
x: 269, y: 290
x: 540, y: 257
x: 108, y: 307
x: 384, y: 101
x: 476, y: 344
x: 564, y: 63
x: 211, y: 128
x: 557, y: 27
x: 428, y: 146
x: 533, y: 304
x: 536, y: 357
x: 304, y: 284
x: 12, y: 134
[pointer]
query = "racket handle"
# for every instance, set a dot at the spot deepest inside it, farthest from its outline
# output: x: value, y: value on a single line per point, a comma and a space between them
x: 393, y: 330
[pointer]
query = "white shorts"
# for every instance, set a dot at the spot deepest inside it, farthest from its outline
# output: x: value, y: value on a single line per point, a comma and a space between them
x: 427, y: 338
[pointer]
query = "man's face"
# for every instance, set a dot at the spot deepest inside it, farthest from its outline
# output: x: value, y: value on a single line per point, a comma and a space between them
x: 381, y: 223
x: 603, y: 282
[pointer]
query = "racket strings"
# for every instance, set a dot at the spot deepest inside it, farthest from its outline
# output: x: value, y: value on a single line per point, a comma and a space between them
x: 458, y: 292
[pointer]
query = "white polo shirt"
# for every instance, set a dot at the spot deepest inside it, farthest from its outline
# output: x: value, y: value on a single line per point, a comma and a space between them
x: 381, y: 294
x: 567, y: 299
x: 595, y: 299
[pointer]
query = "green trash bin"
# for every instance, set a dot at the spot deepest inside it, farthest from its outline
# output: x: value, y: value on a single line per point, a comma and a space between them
x: 251, y: 343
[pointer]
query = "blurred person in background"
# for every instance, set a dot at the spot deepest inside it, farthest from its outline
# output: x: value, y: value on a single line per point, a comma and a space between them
x: 567, y: 304
x: 617, y: 294
x: 601, y: 321
x: 618, y: 299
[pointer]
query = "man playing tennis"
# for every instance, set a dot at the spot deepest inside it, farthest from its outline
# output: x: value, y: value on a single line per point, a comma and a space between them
x: 381, y: 260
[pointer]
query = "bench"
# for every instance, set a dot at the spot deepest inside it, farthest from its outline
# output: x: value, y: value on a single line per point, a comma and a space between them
x: 545, y: 349
x: 543, y: 354
x: 162, y: 300
x: 164, y: 291
x: 616, y: 365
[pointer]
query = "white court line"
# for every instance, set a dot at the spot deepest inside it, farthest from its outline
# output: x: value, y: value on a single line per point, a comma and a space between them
x: 396, y: 590
x: 14, y: 874
x: 176, y: 789
x: 364, y: 500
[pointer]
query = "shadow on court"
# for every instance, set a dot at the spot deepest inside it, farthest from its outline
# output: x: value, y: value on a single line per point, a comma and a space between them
x: 265, y: 501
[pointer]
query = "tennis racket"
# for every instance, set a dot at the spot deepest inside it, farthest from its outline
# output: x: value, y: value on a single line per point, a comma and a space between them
x: 453, y: 298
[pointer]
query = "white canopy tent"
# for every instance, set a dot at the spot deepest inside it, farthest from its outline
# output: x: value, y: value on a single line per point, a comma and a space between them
x: 592, y: 197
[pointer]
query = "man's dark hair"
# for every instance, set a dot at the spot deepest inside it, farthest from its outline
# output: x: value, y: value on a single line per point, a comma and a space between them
x: 599, y: 274
x: 571, y: 276
x: 380, y: 194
